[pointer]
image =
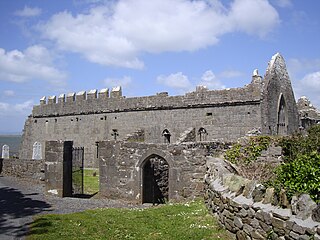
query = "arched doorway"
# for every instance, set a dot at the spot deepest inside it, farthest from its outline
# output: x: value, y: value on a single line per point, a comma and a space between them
x: 282, y: 117
x: 155, y: 180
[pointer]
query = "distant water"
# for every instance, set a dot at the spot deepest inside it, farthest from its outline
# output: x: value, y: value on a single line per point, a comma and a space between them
x: 13, y: 141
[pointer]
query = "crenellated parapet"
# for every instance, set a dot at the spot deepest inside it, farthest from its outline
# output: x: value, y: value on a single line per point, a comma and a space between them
x: 95, y: 101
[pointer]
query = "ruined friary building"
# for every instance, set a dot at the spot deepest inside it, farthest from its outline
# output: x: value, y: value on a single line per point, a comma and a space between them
x: 127, y: 137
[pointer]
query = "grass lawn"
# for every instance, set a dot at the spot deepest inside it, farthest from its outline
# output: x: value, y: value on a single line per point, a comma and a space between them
x: 171, y: 221
x: 90, y: 182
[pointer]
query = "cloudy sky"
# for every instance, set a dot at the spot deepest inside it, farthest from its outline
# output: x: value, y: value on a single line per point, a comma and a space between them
x: 149, y: 46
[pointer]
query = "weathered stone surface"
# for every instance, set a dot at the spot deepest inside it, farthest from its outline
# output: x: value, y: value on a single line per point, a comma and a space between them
x: 284, y: 202
x: 247, y: 229
x: 316, y: 214
x: 257, y: 235
x: 258, y: 193
x: 298, y: 229
x: 269, y: 195
x: 278, y: 223
x: 238, y: 222
x: 241, y: 235
x: 281, y: 213
x: 304, y: 206
x: 249, y: 187
x: 316, y: 237
x: 294, y: 235
x: 23, y: 168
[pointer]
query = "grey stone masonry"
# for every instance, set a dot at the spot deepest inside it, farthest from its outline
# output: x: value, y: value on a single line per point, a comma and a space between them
x: 23, y: 168
x: 251, y: 218
x: 122, y: 167
x: 58, y: 168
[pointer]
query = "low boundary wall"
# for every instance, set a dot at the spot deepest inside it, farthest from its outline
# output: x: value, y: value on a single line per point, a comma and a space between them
x: 247, y: 209
x: 22, y: 168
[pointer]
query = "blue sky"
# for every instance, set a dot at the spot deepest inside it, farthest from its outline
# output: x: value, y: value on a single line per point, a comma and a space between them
x: 53, y: 47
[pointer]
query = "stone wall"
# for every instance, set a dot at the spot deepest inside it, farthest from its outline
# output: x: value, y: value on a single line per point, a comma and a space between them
x: 58, y: 168
x: 122, y: 164
x: 23, y: 168
x: 221, y: 123
x: 250, y: 211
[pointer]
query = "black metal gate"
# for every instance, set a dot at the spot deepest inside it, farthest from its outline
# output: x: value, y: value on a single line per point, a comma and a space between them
x: 77, y: 170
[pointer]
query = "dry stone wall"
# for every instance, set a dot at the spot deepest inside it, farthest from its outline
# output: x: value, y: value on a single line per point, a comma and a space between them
x: 246, y: 208
x: 22, y: 168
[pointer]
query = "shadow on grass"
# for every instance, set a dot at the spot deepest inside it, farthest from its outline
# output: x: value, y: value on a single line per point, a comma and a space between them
x: 39, y: 226
x: 14, y: 205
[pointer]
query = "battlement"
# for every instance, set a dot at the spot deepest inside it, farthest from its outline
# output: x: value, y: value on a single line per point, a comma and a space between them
x: 95, y: 101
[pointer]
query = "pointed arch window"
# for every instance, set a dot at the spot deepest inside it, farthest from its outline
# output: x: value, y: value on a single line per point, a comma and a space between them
x: 202, y: 132
x: 282, y: 117
x: 166, y: 136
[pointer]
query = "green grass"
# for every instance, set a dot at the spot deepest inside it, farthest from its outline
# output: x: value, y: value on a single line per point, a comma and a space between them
x: 91, y: 182
x: 171, y: 221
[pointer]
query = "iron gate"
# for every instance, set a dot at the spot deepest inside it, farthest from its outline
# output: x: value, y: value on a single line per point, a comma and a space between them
x: 77, y: 170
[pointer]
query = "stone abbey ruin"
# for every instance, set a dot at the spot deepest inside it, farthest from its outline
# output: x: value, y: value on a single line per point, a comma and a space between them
x: 169, y: 148
x: 155, y: 148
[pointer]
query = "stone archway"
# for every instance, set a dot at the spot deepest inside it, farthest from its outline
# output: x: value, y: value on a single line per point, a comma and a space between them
x: 155, y: 180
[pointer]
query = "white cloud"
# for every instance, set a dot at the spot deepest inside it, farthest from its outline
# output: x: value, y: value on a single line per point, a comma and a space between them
x: 113, y: 82
x: 34, y: 62
x: 175, y: 80
x: 255, y: 17
x: 117, y: 32
x: 312, y: 81
x: 309, y: 86
x: 23, y: 108
x: 8, y: 93
x: 28, y: 12
x: 3, y: 107
x: 210, y: 80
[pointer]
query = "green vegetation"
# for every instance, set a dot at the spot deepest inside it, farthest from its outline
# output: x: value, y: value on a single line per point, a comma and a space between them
x: 247, y: 153
x: 91, y: 181
x: 301, y: 171
x: 171, y: 221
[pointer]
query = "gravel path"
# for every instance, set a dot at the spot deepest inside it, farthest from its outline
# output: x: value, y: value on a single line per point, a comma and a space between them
x: 21, y: 199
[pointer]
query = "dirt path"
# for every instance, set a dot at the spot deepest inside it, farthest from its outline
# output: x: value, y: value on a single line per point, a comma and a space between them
x: 20, y: 200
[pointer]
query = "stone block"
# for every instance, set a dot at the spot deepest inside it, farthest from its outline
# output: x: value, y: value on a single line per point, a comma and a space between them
x: 247, y: 229
x: 257, y: 235
x: 238, y: 222
x: 258, y: 193
x: 241, y: 235
x: 303, y: 206
x: 294, y: 235
x: 316, y: 214
x: 269, y: 195
x: 282, y: 213
x: 278, y: 223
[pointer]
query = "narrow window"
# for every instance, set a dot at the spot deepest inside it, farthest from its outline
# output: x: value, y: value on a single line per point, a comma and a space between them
x: 202, y: 134
x: 115, y: 134
x: 166, y: 136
